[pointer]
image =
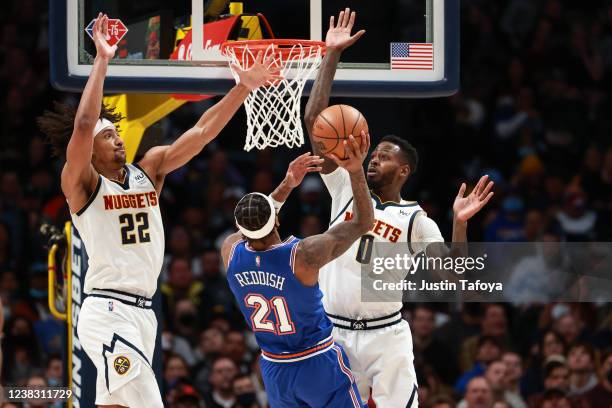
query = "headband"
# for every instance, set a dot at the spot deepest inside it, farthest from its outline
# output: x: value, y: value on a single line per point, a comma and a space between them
x: 102, y: 124
x: 268, y: 226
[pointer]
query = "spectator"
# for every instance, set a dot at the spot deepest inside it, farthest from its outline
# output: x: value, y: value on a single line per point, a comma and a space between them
x: 310, y: 225
x: 176, y: 370
x: 581, y: 363
x: 494, y: 323
x: 216, y: 297
x: 514, y: 372
x: 496, y: 375
x: 54, y: 372
x: 427, y: 349
x: 554, y: 398
x: 21, y: 350
x: 34, y: 382
x: 180, y: 285
x: 440, y: 402
x: 186, y: 321
x: 178, y: 345
x: 489, y: 350
x: 551, y: 344
x: 569, y: 327
x: 221, y: 380
x: 244, y: 389
x: 534, y: 224
x: 235, y: 349
x: 601, y: 395
x: 508, y: 224
x: 556, y: 377
x: 210, y: 348
x: 462, y: 325
x: 478, y: 394
x: 576, y: 220
x: 541, y: 277
x: 181, y: 394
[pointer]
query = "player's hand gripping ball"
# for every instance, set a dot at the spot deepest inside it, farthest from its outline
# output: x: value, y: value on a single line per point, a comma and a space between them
x: 334, y: 125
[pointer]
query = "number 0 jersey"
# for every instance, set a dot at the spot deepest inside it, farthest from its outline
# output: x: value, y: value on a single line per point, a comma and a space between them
x: 402, y: 223
x: 286, y: 316
x: 121, y: 226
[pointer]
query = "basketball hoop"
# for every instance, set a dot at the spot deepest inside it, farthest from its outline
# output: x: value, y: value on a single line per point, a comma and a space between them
x: 273, y: 111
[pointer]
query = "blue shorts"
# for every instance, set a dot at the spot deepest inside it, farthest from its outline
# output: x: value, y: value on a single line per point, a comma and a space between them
x: 323, y: 380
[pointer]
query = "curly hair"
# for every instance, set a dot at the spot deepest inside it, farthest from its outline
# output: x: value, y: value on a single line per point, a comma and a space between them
x: 58, y: 124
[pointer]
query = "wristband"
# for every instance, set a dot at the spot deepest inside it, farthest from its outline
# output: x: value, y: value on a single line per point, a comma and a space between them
x: 277, y: 204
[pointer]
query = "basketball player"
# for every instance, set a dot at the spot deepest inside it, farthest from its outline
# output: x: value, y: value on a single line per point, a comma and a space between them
x: 301, y: 365
x: 115, y: 207
x: 376, y: 339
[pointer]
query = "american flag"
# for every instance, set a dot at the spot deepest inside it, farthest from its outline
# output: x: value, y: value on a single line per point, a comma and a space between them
x: 412, y: 56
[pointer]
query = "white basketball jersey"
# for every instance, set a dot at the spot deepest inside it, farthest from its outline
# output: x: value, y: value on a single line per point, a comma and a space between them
x: 121, y: 226
x: 340, y: 280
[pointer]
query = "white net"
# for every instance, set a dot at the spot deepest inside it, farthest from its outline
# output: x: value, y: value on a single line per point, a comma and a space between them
x: 273, y: 111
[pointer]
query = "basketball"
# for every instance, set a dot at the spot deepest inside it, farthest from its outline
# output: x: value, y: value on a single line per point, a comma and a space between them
x: 334, y: 125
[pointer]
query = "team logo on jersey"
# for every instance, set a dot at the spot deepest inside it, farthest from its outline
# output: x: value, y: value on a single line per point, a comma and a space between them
x: 404, y: 213
x: 140, y: 178
x: 122, y: 365
x: 140, y: 302
x: 358, y: 325
x: 258, y: 261
x: 111, y: 305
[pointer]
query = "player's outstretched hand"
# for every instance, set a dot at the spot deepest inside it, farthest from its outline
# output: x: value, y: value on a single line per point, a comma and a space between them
x: 465, y: 207
x: 101, y: 37
x: 298, y: 168
x: 355, y: 154
x: 264, y: 70
x: 339, y: 34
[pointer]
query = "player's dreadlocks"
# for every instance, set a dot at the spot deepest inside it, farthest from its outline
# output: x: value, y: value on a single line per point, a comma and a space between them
x: 252, y: 212
x: 58, y: 124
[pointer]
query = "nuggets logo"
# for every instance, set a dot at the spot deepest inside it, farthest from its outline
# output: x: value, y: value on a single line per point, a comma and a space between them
x: 122, y: 365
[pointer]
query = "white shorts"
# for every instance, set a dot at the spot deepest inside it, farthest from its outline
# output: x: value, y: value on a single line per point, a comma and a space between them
x: 120, y: 340
x: 382, y: 360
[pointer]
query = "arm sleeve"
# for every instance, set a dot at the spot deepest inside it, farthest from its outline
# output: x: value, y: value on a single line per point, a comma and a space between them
x: 425, y: 230
x: 338, y: 183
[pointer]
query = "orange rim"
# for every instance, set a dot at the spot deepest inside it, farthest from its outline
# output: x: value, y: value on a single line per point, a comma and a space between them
x: 286, y: 47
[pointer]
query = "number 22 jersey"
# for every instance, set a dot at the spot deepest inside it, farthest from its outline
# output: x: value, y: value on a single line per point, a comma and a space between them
x: 121, y: 227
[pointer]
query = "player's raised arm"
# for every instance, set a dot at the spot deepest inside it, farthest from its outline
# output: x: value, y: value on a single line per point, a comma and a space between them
x: 298, y: 168
x: 464, y: 208
x: 161, y: 160
x: 314, y: 252
x: 338, y: 38
x: 78, y: 171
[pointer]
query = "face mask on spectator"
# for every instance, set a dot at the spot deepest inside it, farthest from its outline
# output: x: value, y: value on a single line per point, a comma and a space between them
x: 246, y: 400
x: 187, y: 319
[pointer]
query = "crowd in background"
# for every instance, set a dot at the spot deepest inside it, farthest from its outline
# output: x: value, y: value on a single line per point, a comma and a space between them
x: 533, y: 113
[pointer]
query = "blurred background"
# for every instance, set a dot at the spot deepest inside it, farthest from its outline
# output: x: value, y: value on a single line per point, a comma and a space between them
x: 533, y: 112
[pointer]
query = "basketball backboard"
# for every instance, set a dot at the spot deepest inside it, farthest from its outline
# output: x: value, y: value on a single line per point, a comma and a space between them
x: 420, y: 36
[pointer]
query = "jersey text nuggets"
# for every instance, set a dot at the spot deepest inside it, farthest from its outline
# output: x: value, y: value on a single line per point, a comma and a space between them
x: 380, y: 228
x: 119, y: 201
x: 260, y: 278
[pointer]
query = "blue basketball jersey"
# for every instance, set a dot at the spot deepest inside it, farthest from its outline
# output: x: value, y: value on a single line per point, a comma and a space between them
x: 286, y: 316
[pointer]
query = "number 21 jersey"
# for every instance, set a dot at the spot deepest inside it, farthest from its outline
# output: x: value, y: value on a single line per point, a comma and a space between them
x: 286, y: 316
x: 121, y: 227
